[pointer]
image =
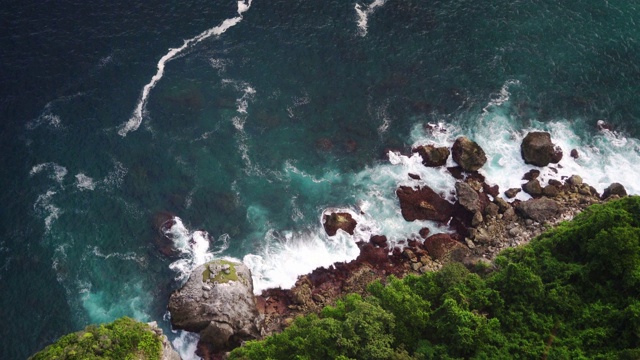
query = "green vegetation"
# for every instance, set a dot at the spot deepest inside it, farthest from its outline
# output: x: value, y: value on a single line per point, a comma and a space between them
x: 221, y: 276
x: 124, y: 338
x: 572, y: 293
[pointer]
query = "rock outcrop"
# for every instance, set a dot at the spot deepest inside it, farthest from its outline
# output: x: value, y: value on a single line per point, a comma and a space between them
x: 432, y: 156
x: 540, y: 210
x: 468, y: 154
x: 218, y: 303
x: 614, y: 189
x: 423, y: 204
x: 168, y: 353
x: 537, y: 149
x: 341, y: 220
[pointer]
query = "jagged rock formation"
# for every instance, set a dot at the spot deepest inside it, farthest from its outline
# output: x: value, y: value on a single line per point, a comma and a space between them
x: 340, y: 220
x: 218, y: 303
x: 537, y: 149
x: 432, y: 156
x: 468, y: 154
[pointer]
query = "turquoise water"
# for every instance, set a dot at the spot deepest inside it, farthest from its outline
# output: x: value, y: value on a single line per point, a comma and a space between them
x: 251, y: 133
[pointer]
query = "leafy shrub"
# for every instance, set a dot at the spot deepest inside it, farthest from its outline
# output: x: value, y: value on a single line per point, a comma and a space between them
x: 124, y: 338
x: 572, y: 293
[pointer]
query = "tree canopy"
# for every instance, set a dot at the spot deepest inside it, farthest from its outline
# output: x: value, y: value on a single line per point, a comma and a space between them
x: 572, y: 293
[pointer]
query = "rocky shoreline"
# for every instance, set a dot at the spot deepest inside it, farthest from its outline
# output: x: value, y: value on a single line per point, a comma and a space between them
x: 480, y: 223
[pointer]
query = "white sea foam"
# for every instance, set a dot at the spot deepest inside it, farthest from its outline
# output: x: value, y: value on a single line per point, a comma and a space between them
x: 363, y: 13
x: 499, y: 133
x: 194, y: 247
x: 56, y: 172
x: 128, y: 256
x: 286, y: 255
x: 186, y: 344
x: 83, y: 182
x: 45, y: 208
x: 116, y: 176
x: 136, y: 119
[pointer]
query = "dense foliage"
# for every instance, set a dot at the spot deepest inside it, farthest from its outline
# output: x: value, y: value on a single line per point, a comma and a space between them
x: 572, y: 293
x: 124, y: 339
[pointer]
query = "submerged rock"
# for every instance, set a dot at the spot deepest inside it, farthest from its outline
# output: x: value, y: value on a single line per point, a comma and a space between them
x: 342, y: 220
x: 537, y: 149
x: 218, y: 305
x: 468, y: 154
x: 432, y: 156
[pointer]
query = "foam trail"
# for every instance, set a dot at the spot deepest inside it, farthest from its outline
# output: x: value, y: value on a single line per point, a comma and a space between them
x: 136, y: 119
x: 363, y: 15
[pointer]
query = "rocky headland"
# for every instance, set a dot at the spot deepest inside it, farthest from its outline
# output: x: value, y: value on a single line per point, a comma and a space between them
x: 481, y: 222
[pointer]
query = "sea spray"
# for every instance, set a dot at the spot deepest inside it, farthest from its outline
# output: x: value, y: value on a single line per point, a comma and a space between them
x: 136, y: 119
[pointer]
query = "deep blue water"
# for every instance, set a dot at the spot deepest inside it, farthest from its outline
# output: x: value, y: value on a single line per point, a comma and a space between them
x: 250, y: 134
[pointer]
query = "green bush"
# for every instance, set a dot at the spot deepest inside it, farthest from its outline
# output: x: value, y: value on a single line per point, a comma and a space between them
x: 124, y: 338
x: 572, y: 293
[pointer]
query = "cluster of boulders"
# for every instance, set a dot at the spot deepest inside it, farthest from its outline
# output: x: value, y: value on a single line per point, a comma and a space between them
x: 217, y: 301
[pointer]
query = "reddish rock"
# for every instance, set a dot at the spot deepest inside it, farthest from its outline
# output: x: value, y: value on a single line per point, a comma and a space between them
x: 424, y: 232
x: 468, y: 154
x: 432, y: 156
x: 324, y: 144
x: 423, y: 204
x: 574, y: 154
x: 378, y: 240
x: 456, y: 172
x: 335, y: 221
x: 537, y: 149
x: 414, y: 176
x: 443, y: 247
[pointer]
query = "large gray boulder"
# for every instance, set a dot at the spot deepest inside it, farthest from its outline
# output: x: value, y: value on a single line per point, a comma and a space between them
x: 468, y: 197
x: 217, y: 301
x: 538, y: 209
x: 468, y: 154
x: 537, y: 149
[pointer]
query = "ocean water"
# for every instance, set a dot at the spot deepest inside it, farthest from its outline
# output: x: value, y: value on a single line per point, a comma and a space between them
x: 247, y: 120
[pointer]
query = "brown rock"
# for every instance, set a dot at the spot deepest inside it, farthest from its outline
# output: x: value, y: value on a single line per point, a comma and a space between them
x: 432, y: 156
x: 423, y: 204
x: 468, y: 154
x: 335, y: 221
x: 532, y: 188
x: 443, y: 247
x: 456, y: 172
x: 492, y: 210
x: 538, y: 209
x: 424, y: 232
x: 550, y: 191
x: 531, y: 175
x: 511, y: 193
x: 537, y: 149
x: 414, y: 176
x: 614, y: 189
x: 574, y: 153
x: 378, y: 240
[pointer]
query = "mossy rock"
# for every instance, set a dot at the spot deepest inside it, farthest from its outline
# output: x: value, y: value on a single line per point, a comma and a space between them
x: 220, y: 276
